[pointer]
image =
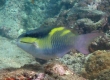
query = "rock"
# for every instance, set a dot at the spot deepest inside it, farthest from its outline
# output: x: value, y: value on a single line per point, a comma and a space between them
x: 61, y: 72
x: 75, y: 61
x: 97, y: 65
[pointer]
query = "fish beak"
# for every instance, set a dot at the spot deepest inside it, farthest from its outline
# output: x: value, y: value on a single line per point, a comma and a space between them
x: 25, y: 46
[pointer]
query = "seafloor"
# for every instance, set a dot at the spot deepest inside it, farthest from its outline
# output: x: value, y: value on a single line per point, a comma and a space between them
x: 83, y: 16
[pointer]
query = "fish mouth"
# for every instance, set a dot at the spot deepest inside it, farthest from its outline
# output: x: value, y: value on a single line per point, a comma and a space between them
x: 25, y: 46
x: 20, y: 44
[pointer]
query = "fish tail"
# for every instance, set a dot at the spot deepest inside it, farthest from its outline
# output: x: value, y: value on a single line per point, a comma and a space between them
x: 83, y: 41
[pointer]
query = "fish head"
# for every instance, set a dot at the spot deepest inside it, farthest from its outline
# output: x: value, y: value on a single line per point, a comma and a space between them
x: 33, y: 46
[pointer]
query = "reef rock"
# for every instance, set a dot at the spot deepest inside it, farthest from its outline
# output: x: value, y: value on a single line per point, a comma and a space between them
x: 75, y: 61
x: 97, y: 66
x: 61, y: 72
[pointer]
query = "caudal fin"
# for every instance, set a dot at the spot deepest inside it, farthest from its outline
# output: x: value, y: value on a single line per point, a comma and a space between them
x: 83, y: 41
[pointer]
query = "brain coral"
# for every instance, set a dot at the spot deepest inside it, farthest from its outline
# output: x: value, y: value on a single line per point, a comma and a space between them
x: 98, y: 66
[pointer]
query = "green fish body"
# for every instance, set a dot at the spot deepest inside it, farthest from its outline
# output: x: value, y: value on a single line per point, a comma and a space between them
x: 50, y: 43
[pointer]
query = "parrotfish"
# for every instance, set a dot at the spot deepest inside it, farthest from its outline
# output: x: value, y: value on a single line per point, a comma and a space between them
x: 49, y: 43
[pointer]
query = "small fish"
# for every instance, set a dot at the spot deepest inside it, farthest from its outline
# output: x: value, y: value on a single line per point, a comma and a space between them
x: 49, y: 43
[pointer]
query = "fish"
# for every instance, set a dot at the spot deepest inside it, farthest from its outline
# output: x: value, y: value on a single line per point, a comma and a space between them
x: 54, y: 42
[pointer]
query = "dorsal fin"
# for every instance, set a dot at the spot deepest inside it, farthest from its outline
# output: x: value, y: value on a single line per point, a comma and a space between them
x: 40, y: 32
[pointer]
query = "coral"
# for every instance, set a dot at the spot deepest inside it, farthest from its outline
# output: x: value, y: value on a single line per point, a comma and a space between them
x: 100, y: 43
x: 105, y: 6
x: 61, y: 71
x: 21, y: 74
x: 27, y: 72
x: 69, y: 13
x: 90, y: 4
x: 87, y: 25
x: 97, y: 65
x: 57, y: 68
x: 75, y: 61
x: 24, y: 15
x: 105, y: 75
x: 35, y: 72
x: 81, y: 18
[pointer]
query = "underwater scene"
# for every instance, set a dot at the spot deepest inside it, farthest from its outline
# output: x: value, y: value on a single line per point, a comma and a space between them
x: 54, y: 39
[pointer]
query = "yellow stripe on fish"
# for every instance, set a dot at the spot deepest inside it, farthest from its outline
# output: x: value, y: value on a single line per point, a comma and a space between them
x: 65, y: 32
x: 55, y: 30
x: 59, y: 29
x: 28, y: 40
x: 43, y: 42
